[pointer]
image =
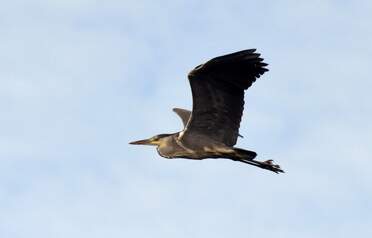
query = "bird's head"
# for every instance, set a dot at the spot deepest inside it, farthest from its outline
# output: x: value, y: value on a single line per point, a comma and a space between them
x: 155, y: 140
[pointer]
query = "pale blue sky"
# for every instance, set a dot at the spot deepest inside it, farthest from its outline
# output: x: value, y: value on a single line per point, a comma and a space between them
x: 80, y: 79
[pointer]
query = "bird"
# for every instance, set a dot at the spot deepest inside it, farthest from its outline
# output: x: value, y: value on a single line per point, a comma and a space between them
x: 211, y: 129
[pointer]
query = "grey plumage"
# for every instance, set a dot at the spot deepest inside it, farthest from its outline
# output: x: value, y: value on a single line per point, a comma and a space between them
x: 183, y: 114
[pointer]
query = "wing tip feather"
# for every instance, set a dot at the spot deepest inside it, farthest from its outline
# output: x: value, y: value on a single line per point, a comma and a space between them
x: 247, y: 58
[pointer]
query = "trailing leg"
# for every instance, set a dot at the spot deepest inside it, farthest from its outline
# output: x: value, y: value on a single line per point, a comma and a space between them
x: 246, y: 156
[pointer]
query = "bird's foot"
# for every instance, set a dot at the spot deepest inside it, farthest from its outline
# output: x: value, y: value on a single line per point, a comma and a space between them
x: 268, y: 164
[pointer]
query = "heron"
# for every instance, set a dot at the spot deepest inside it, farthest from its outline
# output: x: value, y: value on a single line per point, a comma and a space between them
x: 211, y: 129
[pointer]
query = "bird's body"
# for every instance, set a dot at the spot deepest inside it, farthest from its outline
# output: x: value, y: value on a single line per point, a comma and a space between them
x: 172, y: 147
x: 212, y: 128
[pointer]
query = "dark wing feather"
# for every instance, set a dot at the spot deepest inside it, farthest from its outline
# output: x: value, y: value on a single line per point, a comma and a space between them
x: 218, y: 95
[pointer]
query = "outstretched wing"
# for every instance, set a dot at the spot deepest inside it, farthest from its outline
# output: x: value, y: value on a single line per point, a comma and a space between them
x: 218, y: 95
x: 183, y: 114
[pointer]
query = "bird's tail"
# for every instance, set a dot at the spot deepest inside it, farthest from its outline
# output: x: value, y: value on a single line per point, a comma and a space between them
x: 245, y: 154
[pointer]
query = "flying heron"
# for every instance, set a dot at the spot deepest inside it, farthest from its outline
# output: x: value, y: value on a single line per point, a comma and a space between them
x: 212, y: 128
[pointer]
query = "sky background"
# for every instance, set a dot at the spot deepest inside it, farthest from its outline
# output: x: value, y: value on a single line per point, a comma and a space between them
x: 80, y: 79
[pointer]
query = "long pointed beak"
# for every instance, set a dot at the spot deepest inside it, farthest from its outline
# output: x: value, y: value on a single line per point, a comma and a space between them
x: 141, y: 142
